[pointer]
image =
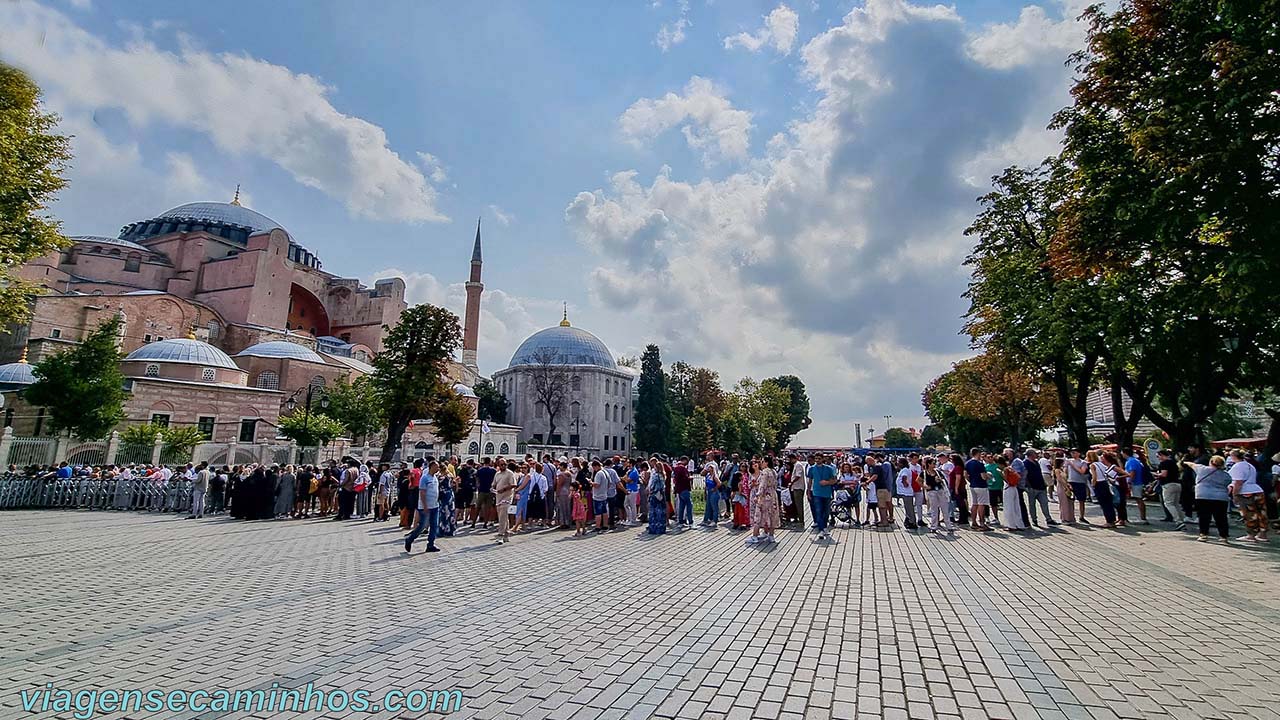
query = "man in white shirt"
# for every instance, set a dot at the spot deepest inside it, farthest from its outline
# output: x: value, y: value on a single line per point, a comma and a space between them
x: 599, y: 495
x: 799, y: 480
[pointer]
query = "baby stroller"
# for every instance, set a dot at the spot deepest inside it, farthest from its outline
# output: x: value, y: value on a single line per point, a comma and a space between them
x: 844, y: 506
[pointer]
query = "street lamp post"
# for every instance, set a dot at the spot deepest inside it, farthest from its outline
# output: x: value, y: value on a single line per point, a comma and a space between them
x: 627, y: 429
x: 291, y: 403
x: 576, y: 425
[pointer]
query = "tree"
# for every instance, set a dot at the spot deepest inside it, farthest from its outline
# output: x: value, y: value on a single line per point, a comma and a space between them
x: 932, y: 436
x: 699, y: 432
x: 762, y: 407
x: 797, y: 410
x: 309, y: 430
x: 550, y: 383
x: 82, y: 387
x: 990, y: 387
x: 653, y: 416
x: 1171, y: 139
x: 452, y: 420
x: 964, y: 432
x: 179, y: 441
x: 356, y: 406
x: 897, y: 437
x: 1230, y: 422
x: 32, y: 162
x: 493, y: 404
x: 705, y: 391
x: 1054, y: 327
x: 410, y: 371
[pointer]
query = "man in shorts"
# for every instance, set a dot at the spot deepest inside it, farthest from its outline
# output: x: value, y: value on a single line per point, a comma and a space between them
x: 884, y: 494
x: 1078, y: 477
x: 979, y: 496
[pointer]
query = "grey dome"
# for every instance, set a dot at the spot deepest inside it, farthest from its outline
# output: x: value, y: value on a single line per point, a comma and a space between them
x: 281, y: 349
x: 16, y: 373
x: 464, y: 390
x: 183, y: 350
x: 563, y: 345
x: 220, y: 212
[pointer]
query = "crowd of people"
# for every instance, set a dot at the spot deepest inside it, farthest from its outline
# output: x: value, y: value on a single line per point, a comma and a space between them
x: 984, y: 491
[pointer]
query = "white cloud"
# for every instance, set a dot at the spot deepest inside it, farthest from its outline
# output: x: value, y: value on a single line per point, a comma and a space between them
x: 781, y: 27
x: 503, y: 217
x: 837, y: 253
x: 1007, y: 45
x: 505, y: 319
x: 433, y: 167
x: 244, y: 105
x: 672, y: 33
x: 709, y: 122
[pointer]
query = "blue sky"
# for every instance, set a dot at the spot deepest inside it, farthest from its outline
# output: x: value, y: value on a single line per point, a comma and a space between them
x: 759, y: 187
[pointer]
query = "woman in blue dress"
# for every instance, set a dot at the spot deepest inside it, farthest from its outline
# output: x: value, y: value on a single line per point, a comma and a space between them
x: 446, y: 520
x: 657, y: 498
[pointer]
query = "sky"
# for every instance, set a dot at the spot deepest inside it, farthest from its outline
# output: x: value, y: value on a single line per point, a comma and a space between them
x: 760, y: 188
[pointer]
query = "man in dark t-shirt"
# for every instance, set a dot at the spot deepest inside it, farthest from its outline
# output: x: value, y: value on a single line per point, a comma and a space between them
x: 1170, y: 488
x: 485, y: 502
x: 682, y: 485
x: 979, y: 495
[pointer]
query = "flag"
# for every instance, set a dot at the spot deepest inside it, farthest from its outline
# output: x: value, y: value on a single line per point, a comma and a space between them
x: 484, y: 427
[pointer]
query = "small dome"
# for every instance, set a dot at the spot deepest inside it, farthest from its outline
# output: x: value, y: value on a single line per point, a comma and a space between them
x: 281, y: 349
x: 16, y: 373
x: 563, y: 345
x: 464, y: 390
x: 183, y: 350
x: 221, y: 212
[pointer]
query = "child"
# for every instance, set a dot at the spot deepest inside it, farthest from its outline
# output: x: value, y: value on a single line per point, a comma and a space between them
x: 869, y: 494
x: 580, y: 512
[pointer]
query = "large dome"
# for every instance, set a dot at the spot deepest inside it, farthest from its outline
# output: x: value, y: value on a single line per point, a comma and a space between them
x: 281, y: 349
x: 563, y: 345
x: 183, y: 350
x: 220, y: 212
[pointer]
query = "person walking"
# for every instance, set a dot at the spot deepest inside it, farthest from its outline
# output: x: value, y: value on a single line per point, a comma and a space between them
x: 799, y: 478
x: 1250, y: 497
x: 446, y: 515
x: 937, y: 495
x: 764, y: 511
x: 428, y: 509
x: 822, y: 488
x: 1213, y: 485
x: 1167, y: 473
x: 1101, y: 475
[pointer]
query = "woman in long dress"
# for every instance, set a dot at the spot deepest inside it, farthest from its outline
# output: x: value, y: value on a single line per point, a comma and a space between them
x: 284, y: 492
x: 657, y: 498
x: 1012, y: 511
x: 564, y: 495
x: 446, y: 517
x: 1066, y: 507
x: 764, y: 502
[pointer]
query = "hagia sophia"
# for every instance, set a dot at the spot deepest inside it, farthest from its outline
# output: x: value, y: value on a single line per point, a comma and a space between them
x: 225, y: 316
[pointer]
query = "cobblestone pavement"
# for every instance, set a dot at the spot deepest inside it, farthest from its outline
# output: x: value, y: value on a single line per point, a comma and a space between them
x: 1084, y: 623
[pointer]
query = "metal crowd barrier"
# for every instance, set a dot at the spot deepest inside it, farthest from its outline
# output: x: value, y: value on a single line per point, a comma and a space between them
x: 24, y: 491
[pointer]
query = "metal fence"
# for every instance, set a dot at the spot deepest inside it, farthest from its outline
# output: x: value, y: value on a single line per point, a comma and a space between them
x: 24, y: 491
x: 90, y: 453
x: 32, y: 451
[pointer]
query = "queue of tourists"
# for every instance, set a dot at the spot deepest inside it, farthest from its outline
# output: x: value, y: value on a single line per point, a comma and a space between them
x: 981, y: 491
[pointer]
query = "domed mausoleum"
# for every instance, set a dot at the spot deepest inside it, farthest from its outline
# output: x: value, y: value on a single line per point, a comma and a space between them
x: 595, y: 416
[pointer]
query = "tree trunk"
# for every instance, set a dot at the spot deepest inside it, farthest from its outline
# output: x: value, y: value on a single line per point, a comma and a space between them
x: 395, y: 435
x: 1071, y: 408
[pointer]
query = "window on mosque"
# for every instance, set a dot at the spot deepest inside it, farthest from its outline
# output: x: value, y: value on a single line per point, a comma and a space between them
x: 205, y: 425
x: 575, y: 410
x: 488, y: 448
x: 537, y: 439
x: 473, y: 448
x: 133, y: 262
x: 161, y: 419
x: 576, y: 383
x: 268, y: 380
x: 575, y: 440
x: 152, y: 370
x: 555, y: 439
x: 208, y: 375
x: 55, y: 333
x: 537, y: 410
x: 504, y: 449
x: 248, y: 429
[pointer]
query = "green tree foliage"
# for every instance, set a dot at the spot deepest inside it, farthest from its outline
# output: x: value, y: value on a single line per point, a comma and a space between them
x: 82, y: 388
x: 309, y: 430
x: 932, y: 436
x: 141, y: 435
x: 32, y: 162
x: 451, y: 422
x: 1171, y: 141
x: 965, y: 431
x: 493, y: 404
x: 410, y: 371
x: 356, y: 406
x: 653, y: 415
x: 700, y: 434
x: 760, y: 409
x: 797, y: 410
x: 179, y: 441
x: 897, y: 437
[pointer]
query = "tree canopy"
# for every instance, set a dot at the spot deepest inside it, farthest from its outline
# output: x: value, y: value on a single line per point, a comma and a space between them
x: 82, y: 387
x: 409, y: 373
x: 493, y: 404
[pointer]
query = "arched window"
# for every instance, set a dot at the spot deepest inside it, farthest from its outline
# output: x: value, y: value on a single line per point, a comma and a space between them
x: 488, y: 448
x: 208, y: 375
x: 617, y: 412
x: 576, y: 383
x: 268, y: 380
x: 537, y: 410
x: 624, y: 413
x: 317, y: 381
x: 133, y: 262
x: 473, y: 448
x: 606, y: 412
x: 153, y: 370
x: 213, y: 331
x: 505, y: 449
x: 575, y: 410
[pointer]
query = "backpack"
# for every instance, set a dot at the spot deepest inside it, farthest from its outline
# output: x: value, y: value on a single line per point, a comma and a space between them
x: 535, y: 495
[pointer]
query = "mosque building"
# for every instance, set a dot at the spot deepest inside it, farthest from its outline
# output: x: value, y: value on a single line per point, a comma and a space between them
x: 570, y: 370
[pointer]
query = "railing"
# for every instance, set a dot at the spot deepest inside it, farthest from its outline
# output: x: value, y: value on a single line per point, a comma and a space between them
x: 32, y: 451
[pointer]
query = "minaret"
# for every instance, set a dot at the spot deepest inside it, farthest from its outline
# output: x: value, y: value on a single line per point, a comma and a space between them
x: 471, y: 323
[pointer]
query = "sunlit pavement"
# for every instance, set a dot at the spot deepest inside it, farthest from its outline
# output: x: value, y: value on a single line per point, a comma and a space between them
x: 1081, y: 623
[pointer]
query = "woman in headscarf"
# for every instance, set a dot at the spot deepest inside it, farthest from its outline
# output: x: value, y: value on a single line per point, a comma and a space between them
x: 446, y: 516
x: 652, y: 477
x: 284, y: 492
x: 764, y: 505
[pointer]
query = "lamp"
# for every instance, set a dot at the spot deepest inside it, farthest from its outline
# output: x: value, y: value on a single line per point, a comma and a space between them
x: 290, y: 404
